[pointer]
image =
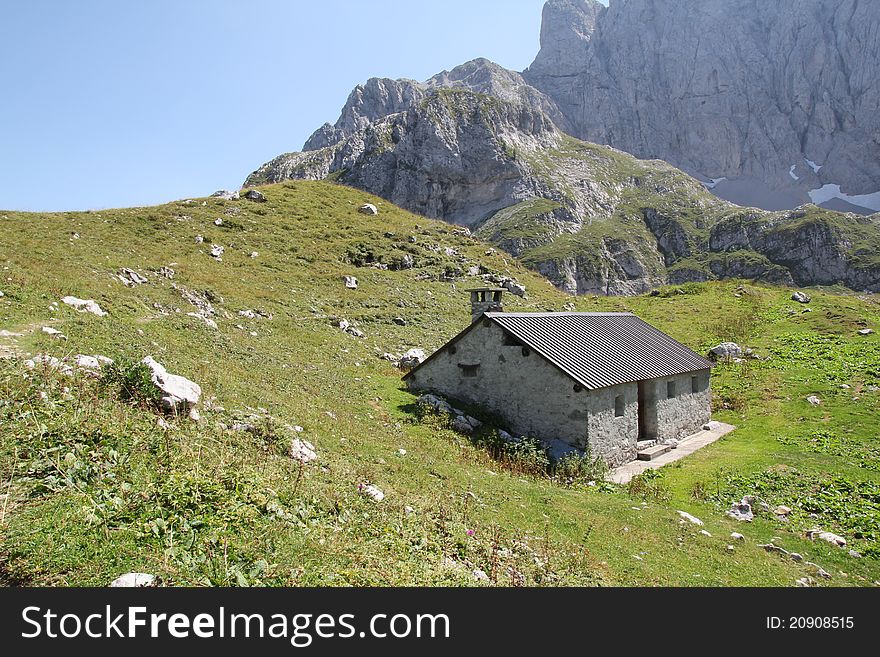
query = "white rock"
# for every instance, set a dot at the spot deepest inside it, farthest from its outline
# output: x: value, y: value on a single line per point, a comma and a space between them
x: 741, y: 511
x: 87, y: 362
x: 302, y: 451
x: 782, y: 510
x: 371, y: 491
x: 217, y: 251
x: 800, y: 297
x: 254, y: 254
x: 218, y: 221
x: 136, y: 580
x: 350, y: 282
x: 687, y: 516
x: 199, y: 239
x: 179, y: 393
x: 368, y: 208
x: 705, y: 533
x: 412, y: 358
x: 814, y: 400
x: 866, y: 331
x: 401, y: 452
x: 834, y: 539
x: 480, y: 575
x: 130, y: 277
x: 84, y: 305
x: 48, y: 330
x: 225, y: 194
x: 736, y: 536
x: 726, y: 350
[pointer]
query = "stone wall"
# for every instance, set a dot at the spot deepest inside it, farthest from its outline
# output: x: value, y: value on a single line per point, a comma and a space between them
x: 533, y: 396
x: 537, y: 399
x: 685, y: 413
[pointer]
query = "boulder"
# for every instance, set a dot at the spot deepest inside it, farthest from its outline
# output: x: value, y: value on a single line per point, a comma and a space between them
x: 736, y: 536
x: 217, y: 251
x: 741, y: 511
x: 460, y: 423
x: 179, y: 394
x: 800, y: 297
x: 691, y: 519
x: 368, y: 208
x: 400, y: 321
x: 350, y: 282
x: 84, y: 306
x: 226, y: 195
x: 371, y: 491
x: 726, y: 350
x: 411, y: 358
x: 515, y: 288
x: 302, y: 451
x: 829, y: 537
x: 55, y: 333
x: 255, y: 196
x: 436, y: 404
x: 866, y: 331
x: 130, y: 278
x: 814, y: 400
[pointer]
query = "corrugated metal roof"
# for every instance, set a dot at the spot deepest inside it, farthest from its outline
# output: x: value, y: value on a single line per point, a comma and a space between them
x: 602, y: 349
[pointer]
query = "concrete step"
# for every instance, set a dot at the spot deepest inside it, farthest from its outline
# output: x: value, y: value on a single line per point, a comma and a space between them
x: 652, y: 452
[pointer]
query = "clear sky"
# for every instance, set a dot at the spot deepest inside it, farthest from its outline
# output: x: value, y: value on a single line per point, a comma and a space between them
x: 111, y: 103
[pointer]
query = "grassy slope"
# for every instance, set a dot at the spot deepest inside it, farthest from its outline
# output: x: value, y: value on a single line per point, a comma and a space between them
x: 200, y: 504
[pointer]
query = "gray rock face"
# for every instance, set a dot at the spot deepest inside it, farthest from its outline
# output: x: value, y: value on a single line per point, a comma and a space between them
x: 780, y: 96
x: 592, y: 219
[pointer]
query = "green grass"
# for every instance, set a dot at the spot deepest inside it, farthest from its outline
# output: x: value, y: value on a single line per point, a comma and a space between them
x: 93, y: 487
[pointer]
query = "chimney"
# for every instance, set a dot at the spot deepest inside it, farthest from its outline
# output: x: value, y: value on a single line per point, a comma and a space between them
x: 485, y: 300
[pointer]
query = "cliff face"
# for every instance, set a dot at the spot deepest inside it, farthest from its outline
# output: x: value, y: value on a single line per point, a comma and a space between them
x: 592, y: 219
x: 778, y: 98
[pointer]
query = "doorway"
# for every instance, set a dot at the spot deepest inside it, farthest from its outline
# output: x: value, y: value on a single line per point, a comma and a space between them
x: 646, y: 412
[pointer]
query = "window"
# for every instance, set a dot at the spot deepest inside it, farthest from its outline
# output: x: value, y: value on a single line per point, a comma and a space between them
x: 469, y: 371
x: 618, y: 406
x: 695, y: 384
x: 670, y: 389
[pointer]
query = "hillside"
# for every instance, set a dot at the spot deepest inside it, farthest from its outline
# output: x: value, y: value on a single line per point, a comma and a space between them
x: 591, y: 219
x: 93, y: 486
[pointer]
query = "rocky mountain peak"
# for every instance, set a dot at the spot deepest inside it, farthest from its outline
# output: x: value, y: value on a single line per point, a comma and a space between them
x: 566, y: 29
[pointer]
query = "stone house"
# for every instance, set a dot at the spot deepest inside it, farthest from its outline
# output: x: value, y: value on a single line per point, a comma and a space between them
x: 609, y: 382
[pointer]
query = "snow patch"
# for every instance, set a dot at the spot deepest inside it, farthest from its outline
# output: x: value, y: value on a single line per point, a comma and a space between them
x: 827, y: 192
x: 815, y: 167
x: 792, y: 173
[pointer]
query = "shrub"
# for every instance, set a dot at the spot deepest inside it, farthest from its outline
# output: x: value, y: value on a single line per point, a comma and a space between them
x: 132, y: 381
x: 650, y: 485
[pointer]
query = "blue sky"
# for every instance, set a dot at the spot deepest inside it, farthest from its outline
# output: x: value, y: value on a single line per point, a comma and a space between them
x: 110, y: 104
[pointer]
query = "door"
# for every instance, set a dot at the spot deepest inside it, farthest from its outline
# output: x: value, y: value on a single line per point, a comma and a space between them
x: 643, y: 411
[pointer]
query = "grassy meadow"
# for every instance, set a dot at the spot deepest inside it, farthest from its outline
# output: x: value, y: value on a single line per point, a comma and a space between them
x: 92, y: 486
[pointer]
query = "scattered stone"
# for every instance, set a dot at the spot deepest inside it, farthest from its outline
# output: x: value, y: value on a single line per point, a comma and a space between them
x: 730, y: 548
x: 800, y: 297
x: 217, y: 251
x: 814, y: 400
x: 218, y: 221
x: 796, y: 557
x: 9, y: 334
x: 726, y: 350
x: 166, y: 272
x: 437, y: 404
x: 130, y: 278
x: 371, y: 491
x: 180, y: 395
x: 400, y: 321
x: 781, y: 510
x: 705, y: 533
x: 255, y: 196
x: 302, y: 451
x: 368, y: 208
x: 94, y: 363
x: 461, y: 424
x: 199, y: 239
x: 741, y: 510
x: 834, y: 539
x: 254, y: 254
x: 866, y: 331
x: 769, y: 547
x: 805, y: 582
x: 135, y: 580
x: 350, y: 282
x: 736, y: 536
x: 401, y: 452
x: 226, y: 195
x: 210, y: 323
x: 84, y: 305
x: 854, y: 554
x: 692, y: 519
x: 480, y: 575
